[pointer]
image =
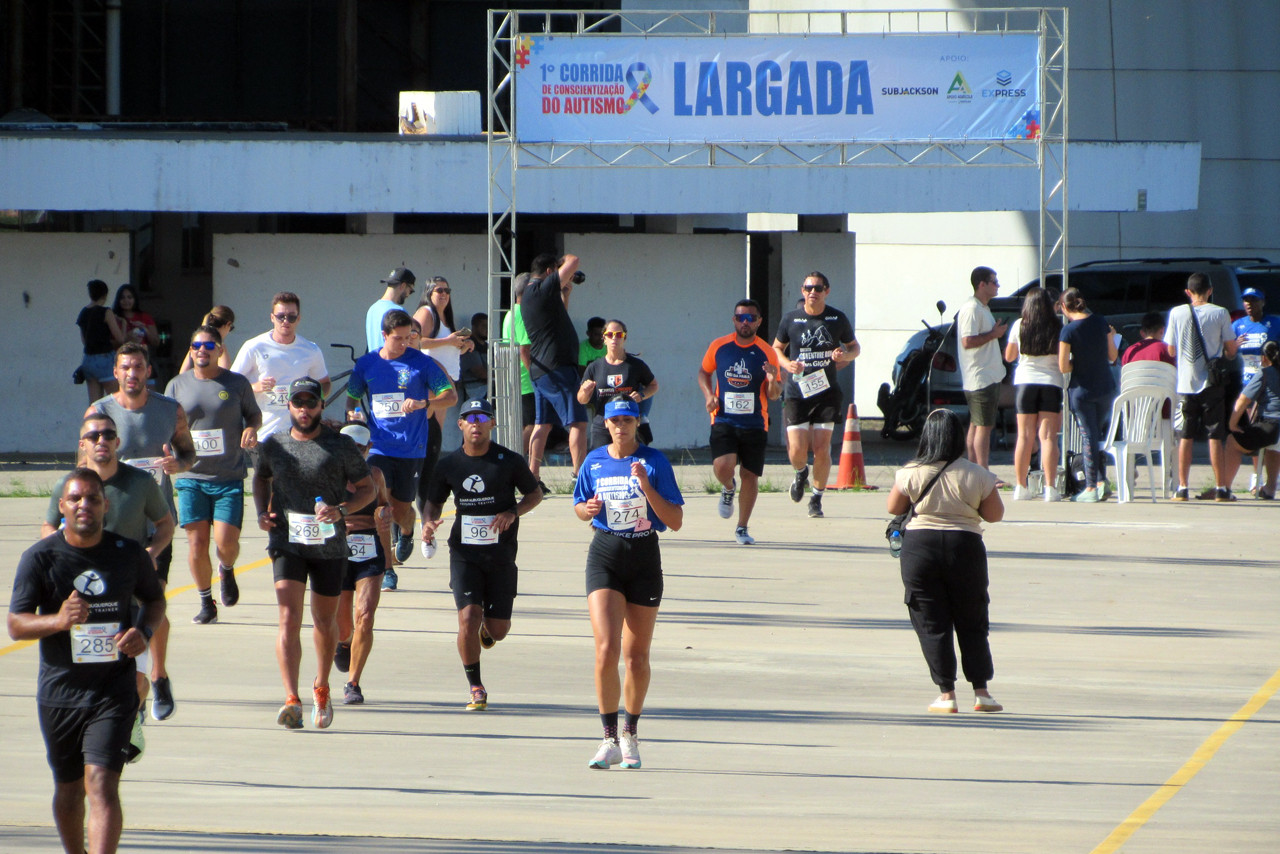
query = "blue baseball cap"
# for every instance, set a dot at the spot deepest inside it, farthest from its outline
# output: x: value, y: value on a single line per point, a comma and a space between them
x: 476, y: 404
x: 1252, y: 292
x: 623, y: 406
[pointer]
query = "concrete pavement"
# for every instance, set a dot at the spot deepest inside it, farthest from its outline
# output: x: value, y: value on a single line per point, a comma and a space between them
x: 787, y: 710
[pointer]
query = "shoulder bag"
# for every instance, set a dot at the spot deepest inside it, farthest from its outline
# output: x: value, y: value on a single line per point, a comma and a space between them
x: 1217, y: 366
x: 898, y: 523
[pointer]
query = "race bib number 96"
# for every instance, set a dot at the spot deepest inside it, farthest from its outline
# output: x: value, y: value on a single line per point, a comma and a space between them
x: 479, y: 531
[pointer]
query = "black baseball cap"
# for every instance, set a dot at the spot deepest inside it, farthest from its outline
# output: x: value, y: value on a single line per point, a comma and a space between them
x: 306, y: 385
x: 400, y: 276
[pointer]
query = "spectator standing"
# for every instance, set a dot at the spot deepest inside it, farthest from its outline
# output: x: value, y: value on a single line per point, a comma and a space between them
x: 100, y: 334
x: 1086, y: 349
x: 1037, y: 385
x: 1197, y: 333
x: 980, y: 366
x: 223, y: 319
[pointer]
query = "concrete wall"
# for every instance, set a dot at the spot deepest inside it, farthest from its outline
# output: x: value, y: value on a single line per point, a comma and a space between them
x: 42, y: 289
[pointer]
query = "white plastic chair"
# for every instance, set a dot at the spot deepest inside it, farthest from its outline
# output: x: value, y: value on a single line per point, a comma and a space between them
x: 1164, y: 376
x: 1137, y: 428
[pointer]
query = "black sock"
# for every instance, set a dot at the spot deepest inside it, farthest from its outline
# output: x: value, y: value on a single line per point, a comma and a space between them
x: 610, y: 721
x: 473, y: 674
x: 630, y: 722
x: 206, y: 596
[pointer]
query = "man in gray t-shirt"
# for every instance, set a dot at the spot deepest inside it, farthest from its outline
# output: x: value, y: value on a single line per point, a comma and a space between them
x: 306, y: 481
x: 224, y: 417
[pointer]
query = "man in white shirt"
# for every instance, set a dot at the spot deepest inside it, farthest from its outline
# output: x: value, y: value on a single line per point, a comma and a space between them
x: 274, y: 359
x: 981, y: 367
x: 399, y: 288
x: 1202, y: 405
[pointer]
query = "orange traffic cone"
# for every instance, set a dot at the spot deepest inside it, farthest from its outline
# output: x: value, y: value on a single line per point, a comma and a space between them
x: 853, y: 471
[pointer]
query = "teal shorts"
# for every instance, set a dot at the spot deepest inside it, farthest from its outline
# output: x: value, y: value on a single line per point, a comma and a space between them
x: 203, y: 500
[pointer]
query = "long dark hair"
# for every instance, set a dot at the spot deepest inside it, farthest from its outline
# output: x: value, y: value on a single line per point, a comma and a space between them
x: 437, y: 281
x: 137, y: 303
x: 941, y: 438
x: 1038, y: 333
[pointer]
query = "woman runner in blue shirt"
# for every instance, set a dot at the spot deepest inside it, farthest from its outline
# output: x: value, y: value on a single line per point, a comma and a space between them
x: 628, y: 492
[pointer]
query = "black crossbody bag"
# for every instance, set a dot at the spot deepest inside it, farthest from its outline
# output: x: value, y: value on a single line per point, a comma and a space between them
x: 1217, y: 366
x: 899, y: 523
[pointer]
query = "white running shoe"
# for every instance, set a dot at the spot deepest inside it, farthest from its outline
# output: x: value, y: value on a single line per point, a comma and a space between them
x: 743, y: 538
x: 1022, y: 493
x: 726, y: 501
x: 428, y: 549
x: 1051, y: 494
x: 630, y: 749
x: 608, y: 754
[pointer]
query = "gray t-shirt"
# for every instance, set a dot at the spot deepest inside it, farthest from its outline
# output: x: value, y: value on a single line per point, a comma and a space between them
x: 301, y: 471
x: 217, y: 410
x: 133, y: 500
x: 1215, y: 328
x: 143, y: 434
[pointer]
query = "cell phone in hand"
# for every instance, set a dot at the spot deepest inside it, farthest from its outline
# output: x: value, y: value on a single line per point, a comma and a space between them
x: 465, y: 332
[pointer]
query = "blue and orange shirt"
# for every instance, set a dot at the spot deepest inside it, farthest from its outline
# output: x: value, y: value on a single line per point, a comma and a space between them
x: 739, y: 373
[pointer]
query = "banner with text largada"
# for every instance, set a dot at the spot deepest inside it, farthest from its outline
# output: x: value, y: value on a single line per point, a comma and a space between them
x: 596, y: 88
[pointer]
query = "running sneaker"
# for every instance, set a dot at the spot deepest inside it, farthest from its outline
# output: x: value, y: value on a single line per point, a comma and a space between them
x: 162, y: 704
x: 1181, y: 494
x: 321, y: 708
x: 486, y: 639
x: 389, y: 579
x: 726, y: 500
x: 744, y: 539
x: 429, y: 549
x: 352, y: 695
x: 1089, y: 496
x: 290, y: 716
x: 1051, y: 494
x: 607, y: 754
x: 342, y: 657
x: 630, y: 746
x: 479, y: 700
x: 404, y: 547
x: 799, y: 484
x: 1022, y: 493
x: 986, y: 703
x: 137, y: 741
x: 227, y: 582
x: 815, y: 506
x: 208, y: 614
x: 1224, y: 494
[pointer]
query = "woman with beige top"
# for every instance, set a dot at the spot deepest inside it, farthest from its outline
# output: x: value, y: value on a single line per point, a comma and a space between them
x: 944, y: 563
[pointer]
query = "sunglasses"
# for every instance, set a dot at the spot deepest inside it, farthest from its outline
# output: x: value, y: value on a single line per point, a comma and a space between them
x: 618, y: 335
x: 476, y: 418
x: 746, y: 318
x: 94, y: 436
x: 814, y: 287
x: 204, y: 345
x: 286, y: 318
x: 443, y: 291
x: 307, y: 402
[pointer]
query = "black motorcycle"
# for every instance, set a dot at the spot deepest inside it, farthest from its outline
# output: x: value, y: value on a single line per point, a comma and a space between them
x: 906, y: 404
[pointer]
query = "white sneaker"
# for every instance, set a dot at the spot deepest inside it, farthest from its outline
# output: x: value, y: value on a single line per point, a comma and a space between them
x: 1022, y: 493
x: 608, y: 754
x: 1051, y: 494
x: 428, y: 549
x: 744, y: 539
x: 726, y: 501
x: 630, y: 749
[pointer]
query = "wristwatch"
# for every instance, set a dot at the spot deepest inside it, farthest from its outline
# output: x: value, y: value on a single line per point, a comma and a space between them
x: 147, y: 631
x: 342, y: 510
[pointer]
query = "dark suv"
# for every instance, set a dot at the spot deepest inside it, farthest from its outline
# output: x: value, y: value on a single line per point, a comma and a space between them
x: 1124, y: 290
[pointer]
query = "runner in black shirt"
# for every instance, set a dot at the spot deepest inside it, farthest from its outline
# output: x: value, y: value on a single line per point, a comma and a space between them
x: 74, y: 592
x: 483, y: 477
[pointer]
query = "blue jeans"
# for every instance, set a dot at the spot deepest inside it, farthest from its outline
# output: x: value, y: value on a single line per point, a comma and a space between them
x: 1093, y: 414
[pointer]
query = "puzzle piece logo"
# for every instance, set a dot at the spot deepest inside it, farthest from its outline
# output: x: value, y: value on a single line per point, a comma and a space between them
x: 1028, y: 127
x: 524, y: 45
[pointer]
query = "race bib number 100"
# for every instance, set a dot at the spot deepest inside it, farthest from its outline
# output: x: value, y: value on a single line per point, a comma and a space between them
x: 209, y: 443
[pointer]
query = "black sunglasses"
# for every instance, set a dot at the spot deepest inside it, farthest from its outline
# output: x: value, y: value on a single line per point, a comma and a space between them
x: 746, y: 318
x: 286, y: 318
x: 204, y: 345
x: 95, y: 435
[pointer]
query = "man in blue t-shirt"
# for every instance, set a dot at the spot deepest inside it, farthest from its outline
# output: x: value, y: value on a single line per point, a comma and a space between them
x: 1253, y: 330
x: 399, y: 288
x: 405, y: 388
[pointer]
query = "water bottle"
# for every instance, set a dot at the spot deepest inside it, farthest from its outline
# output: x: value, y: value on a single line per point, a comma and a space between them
x: 357, y: 414
x: 326, y: 528
x: 895, y: 543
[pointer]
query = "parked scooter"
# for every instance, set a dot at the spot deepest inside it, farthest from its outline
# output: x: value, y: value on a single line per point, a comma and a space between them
x: 906, y: 404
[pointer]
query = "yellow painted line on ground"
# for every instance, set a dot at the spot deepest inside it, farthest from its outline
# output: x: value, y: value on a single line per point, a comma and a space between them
x: 168, y: 594
x: 1198, y: 760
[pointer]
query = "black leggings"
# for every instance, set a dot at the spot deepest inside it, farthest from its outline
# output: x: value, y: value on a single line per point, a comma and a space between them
x: 434, y: 439
x: 944, y: 574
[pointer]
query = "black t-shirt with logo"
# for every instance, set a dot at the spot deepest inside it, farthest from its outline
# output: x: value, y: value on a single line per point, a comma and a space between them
x: 810, y: 338
x: 482, y: 487
x: 613, y: 380
x: 108, y: 576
